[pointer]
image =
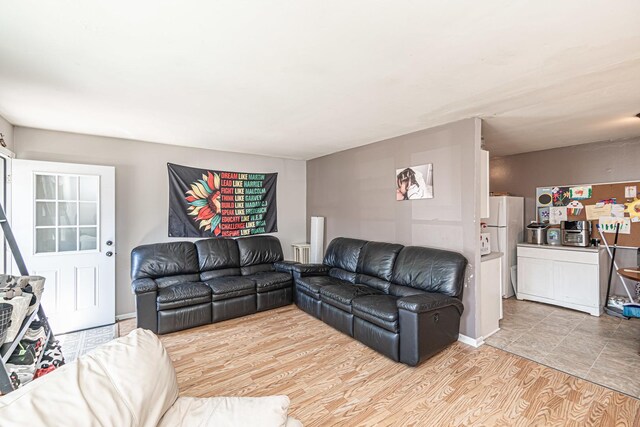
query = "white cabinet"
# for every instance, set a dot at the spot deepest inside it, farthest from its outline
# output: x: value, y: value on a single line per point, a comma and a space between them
x: 484, y: 184
x: 569, y: 277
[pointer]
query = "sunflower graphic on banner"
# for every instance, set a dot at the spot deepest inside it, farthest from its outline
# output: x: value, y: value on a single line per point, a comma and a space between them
x: 211, y: 203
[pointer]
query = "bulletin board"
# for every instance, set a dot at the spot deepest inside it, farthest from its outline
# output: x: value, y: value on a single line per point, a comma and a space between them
x: 604, y: 204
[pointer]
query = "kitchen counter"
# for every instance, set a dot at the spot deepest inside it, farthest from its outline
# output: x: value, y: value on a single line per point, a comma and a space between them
x: 490, y: 256
x: 563, y: 248
x: 567, y: 276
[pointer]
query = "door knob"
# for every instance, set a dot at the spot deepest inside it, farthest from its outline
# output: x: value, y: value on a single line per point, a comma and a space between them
x: 109, y: 253
x: 109, y: 243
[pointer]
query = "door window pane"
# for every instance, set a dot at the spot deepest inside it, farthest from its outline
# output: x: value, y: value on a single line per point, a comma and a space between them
x: 67, y: 188
x: 45, y: 240
x: 68, y: 239
x: 46, y: 187
x: 67, y: 213
x: 88, y: 213
x: 89, y: 188
x: 63, y: 204
x: 88, y: 238
x: 45, y: 213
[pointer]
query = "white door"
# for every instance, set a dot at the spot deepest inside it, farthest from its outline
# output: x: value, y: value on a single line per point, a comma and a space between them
x: 64, y: 222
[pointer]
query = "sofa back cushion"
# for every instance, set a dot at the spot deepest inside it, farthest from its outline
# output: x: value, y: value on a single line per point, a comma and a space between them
x: 125, y: 382
x: 341, y: 274
x: 377, y: 259
x: 374, y: 282
x: 258, y: 253
x: 343, y: 253
x: 218, y: 257
x: 162, y: 260
x: 431, y: 270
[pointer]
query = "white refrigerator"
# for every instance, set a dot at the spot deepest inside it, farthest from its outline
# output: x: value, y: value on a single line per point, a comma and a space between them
x: 506, y: 228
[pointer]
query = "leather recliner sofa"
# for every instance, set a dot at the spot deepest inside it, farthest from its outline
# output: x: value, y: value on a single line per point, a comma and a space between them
x: 180, y: 285
x: 402, y: 301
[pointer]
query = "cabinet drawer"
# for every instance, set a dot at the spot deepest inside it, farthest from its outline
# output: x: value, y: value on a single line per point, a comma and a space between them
x: 584, y: 257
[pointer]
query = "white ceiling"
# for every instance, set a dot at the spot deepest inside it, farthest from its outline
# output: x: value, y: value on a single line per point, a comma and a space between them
x: 302, y: 79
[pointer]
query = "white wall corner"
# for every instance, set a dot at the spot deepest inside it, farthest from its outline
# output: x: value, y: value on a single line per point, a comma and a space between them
x: 473, y: 342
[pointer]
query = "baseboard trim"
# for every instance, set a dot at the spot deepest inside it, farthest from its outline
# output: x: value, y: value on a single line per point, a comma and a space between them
x: 125, y: 316
x: 473, y: 342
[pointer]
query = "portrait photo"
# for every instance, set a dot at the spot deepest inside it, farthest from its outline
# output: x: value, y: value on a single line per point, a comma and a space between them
x: 414, y: 182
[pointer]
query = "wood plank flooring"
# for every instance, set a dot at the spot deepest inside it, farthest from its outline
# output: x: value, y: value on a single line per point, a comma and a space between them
x: 332, y: 379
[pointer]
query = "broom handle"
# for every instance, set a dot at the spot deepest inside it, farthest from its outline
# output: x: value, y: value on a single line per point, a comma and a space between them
x: 613, y: 261
x: 613, y: 257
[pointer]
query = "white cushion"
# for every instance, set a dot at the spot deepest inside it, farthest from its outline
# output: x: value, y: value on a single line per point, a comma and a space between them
x: 126, y: 382
x: 228, y: 411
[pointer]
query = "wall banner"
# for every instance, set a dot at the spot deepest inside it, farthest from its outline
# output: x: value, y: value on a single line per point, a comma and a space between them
x: 210, y: 203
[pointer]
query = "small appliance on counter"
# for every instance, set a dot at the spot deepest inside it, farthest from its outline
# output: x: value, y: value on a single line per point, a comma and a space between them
x: 537, y: 233
x: 576, y: 233
x: 554, y: 236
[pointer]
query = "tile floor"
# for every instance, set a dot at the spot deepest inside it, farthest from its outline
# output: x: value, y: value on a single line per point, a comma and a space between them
x: 75, y: 344
x: 604, y: 350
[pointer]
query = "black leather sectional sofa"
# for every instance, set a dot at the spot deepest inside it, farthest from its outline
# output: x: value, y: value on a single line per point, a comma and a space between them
x: 180, y: 285
x: 403, y: 302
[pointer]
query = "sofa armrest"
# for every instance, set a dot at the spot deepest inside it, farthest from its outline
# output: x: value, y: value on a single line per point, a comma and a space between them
x: 141, y: 286
x: 302, y: 270
x: 422, y: 303
x: 284, y: 266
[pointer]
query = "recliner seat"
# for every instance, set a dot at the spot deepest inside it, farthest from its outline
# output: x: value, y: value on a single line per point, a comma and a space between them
x: 180, y: 285
x: 403, y: 302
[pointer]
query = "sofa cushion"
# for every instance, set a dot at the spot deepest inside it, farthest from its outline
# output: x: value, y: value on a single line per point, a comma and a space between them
x: 312, y: 285
x: 259, y: 250
x: 223, y: 272
x: 343, y: 253
x: 230, y: 287
x: 129, y: 381
x: 218, y: 257
x: 341, y: 274
x: 163, y: 259
x: 377, y: 259
x: 257, y: 268
x: 404, y: 291
x: 182, y: 295
x: 229, y: 411
x: 374, y: 282
x: 341, y: 295
x: 381, y: 310
x: 431, y: 270
x: 270, y: 281
x: 163, y: 282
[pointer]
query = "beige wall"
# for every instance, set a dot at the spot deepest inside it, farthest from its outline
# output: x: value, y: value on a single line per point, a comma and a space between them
x: 355, y: 191
x: 142, y: 186
x: 593, y: 163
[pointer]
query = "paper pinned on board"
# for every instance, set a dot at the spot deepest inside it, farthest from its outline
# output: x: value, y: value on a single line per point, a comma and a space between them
x: 580, y: 193
x: 608, y: 224
x: 598, y: 210
x: 557, y: 214
x: 574, y: 208
x: 617, y: 211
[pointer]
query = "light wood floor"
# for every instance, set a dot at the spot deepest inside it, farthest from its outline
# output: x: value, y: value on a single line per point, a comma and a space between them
x: 332, y: 379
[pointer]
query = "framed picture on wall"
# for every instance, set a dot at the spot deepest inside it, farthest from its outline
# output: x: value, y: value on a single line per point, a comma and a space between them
x: 414, y: 182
